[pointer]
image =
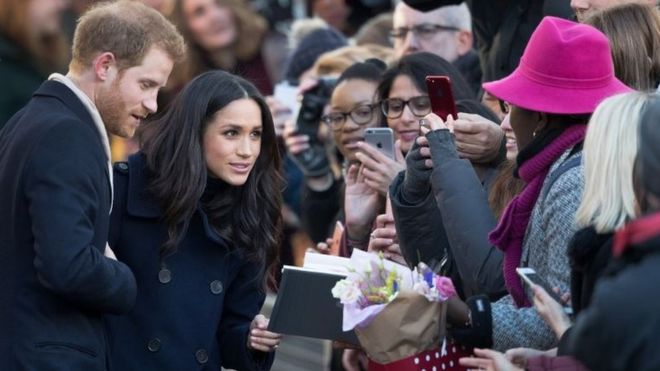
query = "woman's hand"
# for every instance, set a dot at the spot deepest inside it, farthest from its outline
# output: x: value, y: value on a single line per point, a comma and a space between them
x: 488, y: 360
x: 383, y: 239
x: 551, y: 311
x: 380, y: 170
x: 353, y: 360
x: 361, y: 204
x: 520, y: 356
x: 259, y: 338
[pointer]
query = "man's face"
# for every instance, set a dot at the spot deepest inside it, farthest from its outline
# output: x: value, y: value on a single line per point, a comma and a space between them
x: 130, y: 96
x: 423, y: 34
x: 584, y: 8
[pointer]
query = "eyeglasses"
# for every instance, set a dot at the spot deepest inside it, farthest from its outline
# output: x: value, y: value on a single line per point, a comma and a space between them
x: 422, y: 31
x: 419, y: 106
x: 361, y: 115
x: 505, y: 107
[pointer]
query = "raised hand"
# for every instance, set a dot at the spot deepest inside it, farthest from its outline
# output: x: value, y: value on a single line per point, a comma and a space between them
x: 380, y: 170
x: 361, y: 204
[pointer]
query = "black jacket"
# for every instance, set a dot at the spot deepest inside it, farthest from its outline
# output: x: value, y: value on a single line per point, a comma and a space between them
x: 621, y: 328
x: 451, y: 223
x: 502, y: 28
x: 589, y: 254
x: 20, y: 78
x: 54, y: 206
x: 320, y: 210
x: 194, y: 311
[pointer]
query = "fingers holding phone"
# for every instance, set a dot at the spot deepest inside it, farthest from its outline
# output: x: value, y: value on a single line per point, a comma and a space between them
x: 551, y: 311
x: 381, y: 157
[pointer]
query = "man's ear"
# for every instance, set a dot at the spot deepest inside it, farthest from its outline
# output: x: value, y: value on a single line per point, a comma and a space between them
x: 105, y: 66
x: 464, y: 42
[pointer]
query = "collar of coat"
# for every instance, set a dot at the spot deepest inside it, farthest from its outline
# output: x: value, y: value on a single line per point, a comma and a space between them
x: 141, y: 203
x: 636, y: 232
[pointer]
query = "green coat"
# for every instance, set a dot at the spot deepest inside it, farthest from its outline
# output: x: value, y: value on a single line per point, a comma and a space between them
x: 19, y: 78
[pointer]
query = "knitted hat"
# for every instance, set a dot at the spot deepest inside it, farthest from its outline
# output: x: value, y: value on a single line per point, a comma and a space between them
x: 310, y: 49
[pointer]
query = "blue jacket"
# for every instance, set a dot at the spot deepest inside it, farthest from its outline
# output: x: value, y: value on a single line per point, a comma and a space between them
x: 55, y: 283
x: 194, y: 311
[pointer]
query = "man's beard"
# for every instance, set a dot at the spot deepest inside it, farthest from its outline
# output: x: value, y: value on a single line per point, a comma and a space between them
x: 113, y: 110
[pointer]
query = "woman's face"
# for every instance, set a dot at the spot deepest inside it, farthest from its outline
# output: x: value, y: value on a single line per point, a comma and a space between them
x: 523, y: 123
x: 45, y: 15
x: 406, y: 126
x: 353, y: 95
x: 511, y: 143
x: 212, y: 26
x: 232, y: 141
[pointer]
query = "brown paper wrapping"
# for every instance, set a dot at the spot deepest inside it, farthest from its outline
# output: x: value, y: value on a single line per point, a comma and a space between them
x: 408, y: 325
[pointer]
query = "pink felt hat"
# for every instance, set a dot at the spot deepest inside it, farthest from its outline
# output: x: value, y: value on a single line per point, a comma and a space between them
x: 566, y: 68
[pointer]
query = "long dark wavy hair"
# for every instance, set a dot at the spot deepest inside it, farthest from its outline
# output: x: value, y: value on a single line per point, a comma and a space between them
x: 249, y: 216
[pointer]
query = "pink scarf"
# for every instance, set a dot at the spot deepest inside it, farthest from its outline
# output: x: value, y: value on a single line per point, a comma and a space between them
x: 509, y: 234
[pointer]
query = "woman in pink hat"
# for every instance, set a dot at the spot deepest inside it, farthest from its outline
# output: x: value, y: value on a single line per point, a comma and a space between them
x: 564, y: 73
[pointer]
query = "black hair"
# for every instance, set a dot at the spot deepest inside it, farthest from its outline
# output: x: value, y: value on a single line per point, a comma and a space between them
x: 370, y: 70
x: 249, y: 215
x: 419, y: 65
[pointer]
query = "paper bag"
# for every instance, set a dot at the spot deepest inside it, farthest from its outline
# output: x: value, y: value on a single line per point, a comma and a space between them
x: 408, y: 325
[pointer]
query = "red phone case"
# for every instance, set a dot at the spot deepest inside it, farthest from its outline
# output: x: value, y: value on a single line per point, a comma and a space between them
x: 441, y: 96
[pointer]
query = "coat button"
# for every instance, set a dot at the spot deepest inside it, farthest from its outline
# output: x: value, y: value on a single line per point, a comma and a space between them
x: 154, y: 345
x: 216, y: 287
x: 164, y: 275
x: 202, y: 356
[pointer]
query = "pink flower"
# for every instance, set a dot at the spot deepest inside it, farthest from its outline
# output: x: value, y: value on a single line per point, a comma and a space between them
x: 445, y: 287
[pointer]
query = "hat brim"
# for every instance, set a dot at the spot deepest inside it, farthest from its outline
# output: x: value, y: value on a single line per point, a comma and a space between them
x: 519, y: 90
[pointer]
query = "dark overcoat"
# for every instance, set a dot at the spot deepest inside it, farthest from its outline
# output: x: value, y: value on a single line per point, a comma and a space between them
x: 193, y: 309
x: 55, y: 197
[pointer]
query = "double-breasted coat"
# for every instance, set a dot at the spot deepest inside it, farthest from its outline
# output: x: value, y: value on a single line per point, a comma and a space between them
x: 193, y: 309
x: 55, y: 197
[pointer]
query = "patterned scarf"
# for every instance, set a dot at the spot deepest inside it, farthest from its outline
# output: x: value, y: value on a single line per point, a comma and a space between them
x: 509, y: 234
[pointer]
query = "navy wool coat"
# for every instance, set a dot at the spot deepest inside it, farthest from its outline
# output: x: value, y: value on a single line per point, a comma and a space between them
x: 55, y: 198
x: 193, y: 310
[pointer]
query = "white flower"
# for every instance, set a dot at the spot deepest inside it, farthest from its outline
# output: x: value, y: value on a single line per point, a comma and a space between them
x: 421, y: 287
x: 347, y: 292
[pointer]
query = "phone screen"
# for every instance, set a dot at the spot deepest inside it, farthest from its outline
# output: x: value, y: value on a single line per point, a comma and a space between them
x: 537, y: 280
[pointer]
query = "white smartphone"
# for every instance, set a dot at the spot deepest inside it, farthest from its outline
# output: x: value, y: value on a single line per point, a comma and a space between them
x: 382, y: 139
x: 530, y: 277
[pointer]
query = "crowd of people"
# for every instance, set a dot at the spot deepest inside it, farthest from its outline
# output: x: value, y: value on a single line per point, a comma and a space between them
x: 157, y: 173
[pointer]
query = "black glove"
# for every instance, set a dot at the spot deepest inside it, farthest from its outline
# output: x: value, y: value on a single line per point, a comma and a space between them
x: 480, y: 333
x: 441, y: 143
x: 313, y: 162
x: 416, y: 184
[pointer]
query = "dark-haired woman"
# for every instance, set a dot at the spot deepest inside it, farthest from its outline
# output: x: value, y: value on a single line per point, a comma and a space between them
x: 197, y: 218
x: 405, y: 101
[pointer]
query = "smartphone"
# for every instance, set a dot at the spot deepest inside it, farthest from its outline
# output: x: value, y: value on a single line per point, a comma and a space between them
x: 530, y: 277
x: 441, y: 96
x: 382, y: 139
x: 337, y: 239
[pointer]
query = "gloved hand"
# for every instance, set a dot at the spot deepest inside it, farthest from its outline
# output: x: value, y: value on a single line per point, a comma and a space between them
x: 416, y: 183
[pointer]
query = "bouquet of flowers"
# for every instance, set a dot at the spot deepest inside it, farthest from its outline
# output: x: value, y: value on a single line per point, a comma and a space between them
x: 397, y: 314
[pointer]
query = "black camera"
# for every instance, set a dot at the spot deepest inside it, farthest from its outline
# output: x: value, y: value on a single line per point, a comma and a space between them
x: 313, y: 161
x: 311, y: 108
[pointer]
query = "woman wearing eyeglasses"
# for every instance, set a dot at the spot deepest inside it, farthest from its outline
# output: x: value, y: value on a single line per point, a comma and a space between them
x: 404, y: 102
